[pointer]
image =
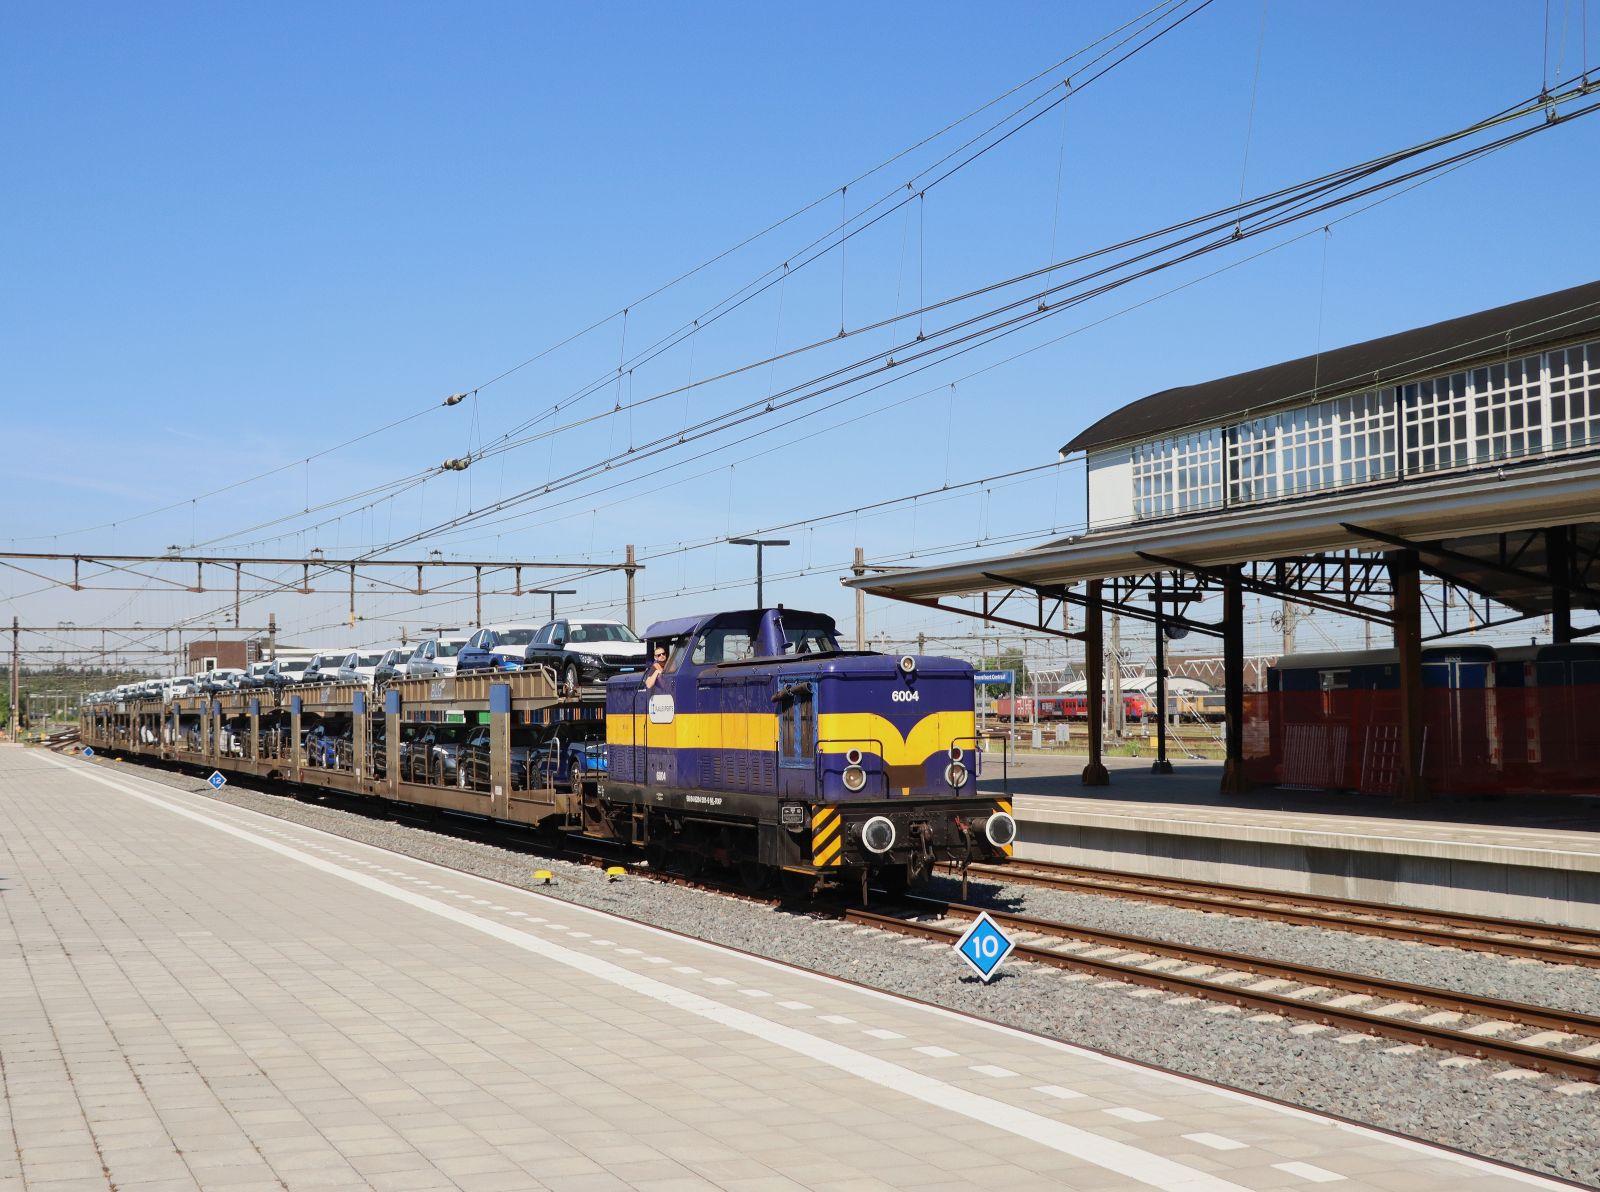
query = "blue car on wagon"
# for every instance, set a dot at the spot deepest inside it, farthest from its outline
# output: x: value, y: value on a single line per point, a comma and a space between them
x: 496, y: 648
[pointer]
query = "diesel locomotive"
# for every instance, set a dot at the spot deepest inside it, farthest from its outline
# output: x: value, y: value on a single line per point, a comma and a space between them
x: 765, y: 747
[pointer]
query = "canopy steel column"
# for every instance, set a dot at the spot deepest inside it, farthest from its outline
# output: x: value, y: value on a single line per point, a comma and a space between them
x: 1405, y: 579
x: 1094, y: 774
x: 1161, y: 765
x: 1233, y: 779
x: 1558, y: 562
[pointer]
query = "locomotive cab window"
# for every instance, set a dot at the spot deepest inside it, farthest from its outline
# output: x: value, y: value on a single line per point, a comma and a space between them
x: 722, y: 645
x: 810, y: 641
x: 674, y: 646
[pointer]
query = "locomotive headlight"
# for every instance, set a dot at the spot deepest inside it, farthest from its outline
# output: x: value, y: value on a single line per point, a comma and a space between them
x: 1000, y: 829
x: 877, y: 834
x: 908, y: 664
x: 854, y: 778
x: 852, y: 757
x: 956, y: 775
x: 957, y: 753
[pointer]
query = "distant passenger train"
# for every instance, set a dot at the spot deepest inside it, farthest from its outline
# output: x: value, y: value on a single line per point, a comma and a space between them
x: 1067, y: 707
x: 1136, y: 706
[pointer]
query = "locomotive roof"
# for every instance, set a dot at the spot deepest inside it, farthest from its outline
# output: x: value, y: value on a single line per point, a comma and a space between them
x: 684, y: 626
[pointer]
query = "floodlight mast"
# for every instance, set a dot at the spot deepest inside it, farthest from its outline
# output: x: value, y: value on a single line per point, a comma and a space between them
x: 552, y: 593
x: 760, y: 544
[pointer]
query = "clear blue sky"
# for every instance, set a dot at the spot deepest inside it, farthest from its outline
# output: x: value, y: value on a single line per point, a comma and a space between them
x: 237, y: 235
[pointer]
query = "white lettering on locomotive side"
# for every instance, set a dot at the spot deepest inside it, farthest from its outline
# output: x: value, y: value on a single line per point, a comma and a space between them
x: 705, y: 800
x: 905, y: 697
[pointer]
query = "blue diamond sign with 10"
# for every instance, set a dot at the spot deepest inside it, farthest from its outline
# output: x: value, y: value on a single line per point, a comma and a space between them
x: 983, y: 946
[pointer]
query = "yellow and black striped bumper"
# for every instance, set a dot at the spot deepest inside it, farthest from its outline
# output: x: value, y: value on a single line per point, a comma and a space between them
x: 1004, y: 806
x: 827, y: 837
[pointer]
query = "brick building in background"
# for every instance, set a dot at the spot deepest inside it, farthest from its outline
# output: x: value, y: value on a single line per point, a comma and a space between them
x: 217, y: 654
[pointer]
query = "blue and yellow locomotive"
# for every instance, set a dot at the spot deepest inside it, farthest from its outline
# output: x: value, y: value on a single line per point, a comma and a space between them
x: 765, y: 747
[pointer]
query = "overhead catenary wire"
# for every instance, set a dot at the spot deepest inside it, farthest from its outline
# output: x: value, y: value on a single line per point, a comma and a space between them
x: 1346, y: 216
x: 822, y: 245
x: 1302, y: 210
x: 899, y: 401
x: 817, y: 249
x: 1155, y: 11
x: 1296, y: 210
x: 1290, y: 202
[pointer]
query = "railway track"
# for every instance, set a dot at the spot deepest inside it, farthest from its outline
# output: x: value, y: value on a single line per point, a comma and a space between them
x: 1562, y: 1042
x: 1506, y: 937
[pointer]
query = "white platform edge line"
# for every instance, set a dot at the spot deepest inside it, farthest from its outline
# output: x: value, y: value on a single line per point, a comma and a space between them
x: 1114, y: 1156
x: 1418, y: 1145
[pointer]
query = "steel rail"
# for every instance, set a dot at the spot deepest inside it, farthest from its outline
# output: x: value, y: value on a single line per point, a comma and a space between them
x: 1447, y: 928
x: 1578, y: 1067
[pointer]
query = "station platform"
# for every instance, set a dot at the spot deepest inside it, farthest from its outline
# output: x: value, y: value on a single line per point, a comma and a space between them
x: 1514, y: 857
x: 194, y: 995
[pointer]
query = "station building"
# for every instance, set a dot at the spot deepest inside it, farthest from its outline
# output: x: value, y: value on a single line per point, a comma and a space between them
x: 1467, y: 451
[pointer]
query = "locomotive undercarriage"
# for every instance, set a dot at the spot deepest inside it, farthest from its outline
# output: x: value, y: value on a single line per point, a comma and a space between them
x: 767, y: 842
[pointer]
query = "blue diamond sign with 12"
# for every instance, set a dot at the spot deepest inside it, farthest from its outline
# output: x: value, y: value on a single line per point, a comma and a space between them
x: 216, y: 780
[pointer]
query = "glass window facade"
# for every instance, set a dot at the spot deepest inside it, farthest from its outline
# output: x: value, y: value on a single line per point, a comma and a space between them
x: 1524, y: 406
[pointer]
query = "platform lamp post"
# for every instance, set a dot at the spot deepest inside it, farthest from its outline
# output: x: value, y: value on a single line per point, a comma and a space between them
x: 760, y: 544
x: 552, y: 593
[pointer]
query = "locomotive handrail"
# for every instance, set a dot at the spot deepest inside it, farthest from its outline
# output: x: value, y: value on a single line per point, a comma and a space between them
x: 883, y: 771
x: 1005, y: 760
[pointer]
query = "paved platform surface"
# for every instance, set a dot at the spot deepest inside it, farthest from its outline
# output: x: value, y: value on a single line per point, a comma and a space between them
x: 193, y: 995
x: 1541, y: 832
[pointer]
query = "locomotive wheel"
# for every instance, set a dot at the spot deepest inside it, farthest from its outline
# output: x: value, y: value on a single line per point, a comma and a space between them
x: 754, y: 876
x: 657, y: 855
x: 893, y: 880
x: 689, y: 861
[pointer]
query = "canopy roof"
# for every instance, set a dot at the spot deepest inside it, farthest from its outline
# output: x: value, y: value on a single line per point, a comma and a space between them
x: 1520, y: 327
x: 1461, y: 514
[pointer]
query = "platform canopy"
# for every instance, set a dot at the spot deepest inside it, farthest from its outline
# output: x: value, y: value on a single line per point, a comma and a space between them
x: 1484, y: 530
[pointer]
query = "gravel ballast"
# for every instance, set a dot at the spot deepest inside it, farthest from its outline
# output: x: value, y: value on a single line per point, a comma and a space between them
x: 1529, y: 1122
